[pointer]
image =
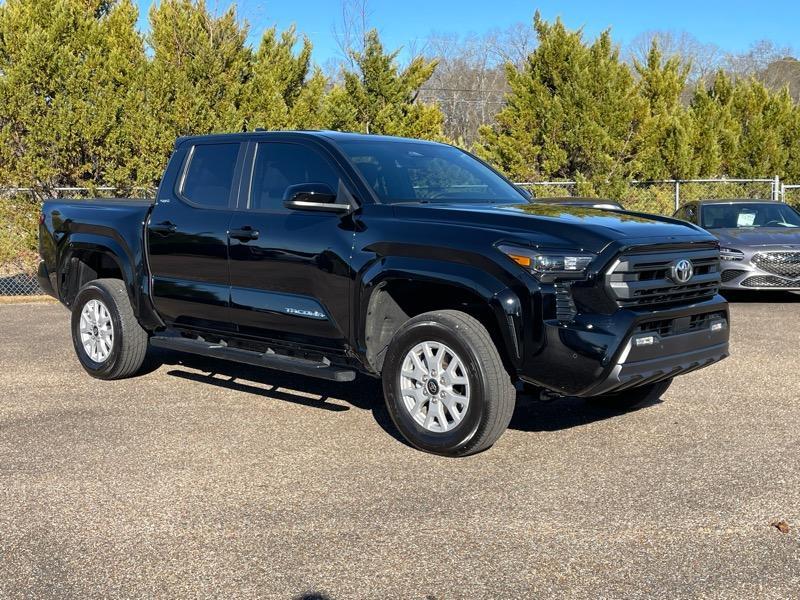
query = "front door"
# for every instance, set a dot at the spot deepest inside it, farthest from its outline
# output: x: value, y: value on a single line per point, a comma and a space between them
x: 289, y: 269
x: 187, y: 236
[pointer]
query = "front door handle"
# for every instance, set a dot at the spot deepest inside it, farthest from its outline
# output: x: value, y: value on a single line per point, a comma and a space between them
x: 164, y: 228
x: 245, y: 234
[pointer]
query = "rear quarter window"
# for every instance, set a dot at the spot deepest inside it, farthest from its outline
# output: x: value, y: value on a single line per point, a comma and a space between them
x: 208, y: 179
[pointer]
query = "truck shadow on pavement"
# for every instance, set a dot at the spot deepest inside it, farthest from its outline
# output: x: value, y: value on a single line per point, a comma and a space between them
x: 564, y: 413
x: 364, y: 393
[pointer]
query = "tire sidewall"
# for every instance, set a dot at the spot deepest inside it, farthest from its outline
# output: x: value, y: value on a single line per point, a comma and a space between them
x: 95, y: 292
x: 448, y: 442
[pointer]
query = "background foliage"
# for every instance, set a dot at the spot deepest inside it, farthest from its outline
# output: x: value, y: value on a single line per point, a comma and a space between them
x: 87, y: 100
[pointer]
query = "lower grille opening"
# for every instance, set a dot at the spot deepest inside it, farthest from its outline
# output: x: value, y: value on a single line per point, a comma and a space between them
x: 668, y: 327
x: 731, y: 274
x: 769, y: 281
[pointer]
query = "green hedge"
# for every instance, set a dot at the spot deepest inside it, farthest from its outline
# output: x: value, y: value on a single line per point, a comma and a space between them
x: 19, y: 226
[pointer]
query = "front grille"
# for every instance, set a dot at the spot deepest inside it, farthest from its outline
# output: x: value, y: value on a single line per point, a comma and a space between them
x: 731, y: 274
x: 642, y: 279
x: 769, y: 281
x: 785, y: 264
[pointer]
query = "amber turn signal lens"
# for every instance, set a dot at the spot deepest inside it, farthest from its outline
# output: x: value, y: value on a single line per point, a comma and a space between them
x: 524, y: 261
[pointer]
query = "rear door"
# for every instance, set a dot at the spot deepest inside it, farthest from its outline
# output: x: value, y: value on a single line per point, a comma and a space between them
x: 290, y: 273
x: 188, y: 235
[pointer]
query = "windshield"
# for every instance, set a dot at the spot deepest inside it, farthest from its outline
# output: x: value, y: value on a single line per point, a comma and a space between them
x: 747, y: 214
x: 419, y: 172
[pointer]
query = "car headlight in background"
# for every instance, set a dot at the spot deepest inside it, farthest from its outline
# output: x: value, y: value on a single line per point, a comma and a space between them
x: 571, y: 264
x: 731, y: 254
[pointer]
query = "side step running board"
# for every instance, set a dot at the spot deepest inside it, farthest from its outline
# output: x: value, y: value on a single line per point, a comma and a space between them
x: 288, y: 364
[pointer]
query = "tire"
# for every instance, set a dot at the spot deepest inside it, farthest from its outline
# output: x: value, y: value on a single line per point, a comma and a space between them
x: 474, y: 371
x: 629, y: 398
x: 116, y: 355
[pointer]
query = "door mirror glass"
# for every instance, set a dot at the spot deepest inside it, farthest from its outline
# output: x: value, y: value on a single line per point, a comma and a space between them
x: 312, y: 196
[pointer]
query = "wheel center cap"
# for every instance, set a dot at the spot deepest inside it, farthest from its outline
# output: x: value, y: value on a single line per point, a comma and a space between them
x: 95, y: 331
x: 433, y: 387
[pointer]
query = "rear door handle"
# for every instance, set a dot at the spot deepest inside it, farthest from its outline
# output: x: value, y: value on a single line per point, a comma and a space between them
x: 164, y: 228
x: 244, y: 234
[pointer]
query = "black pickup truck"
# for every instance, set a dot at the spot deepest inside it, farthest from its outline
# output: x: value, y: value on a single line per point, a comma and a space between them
x: 330, y: 254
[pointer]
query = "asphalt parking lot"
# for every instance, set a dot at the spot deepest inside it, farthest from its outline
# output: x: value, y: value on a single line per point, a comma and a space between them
x: 204, y: 479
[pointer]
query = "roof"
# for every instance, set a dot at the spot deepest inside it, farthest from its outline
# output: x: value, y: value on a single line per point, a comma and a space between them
x: 346, y: 136
x: 336, y: 136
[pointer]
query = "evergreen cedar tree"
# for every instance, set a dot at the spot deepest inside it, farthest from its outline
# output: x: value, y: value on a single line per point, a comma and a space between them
x: 86, y: 100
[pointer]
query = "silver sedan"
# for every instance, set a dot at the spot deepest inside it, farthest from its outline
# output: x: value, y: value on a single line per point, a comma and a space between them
x: 759, y: 241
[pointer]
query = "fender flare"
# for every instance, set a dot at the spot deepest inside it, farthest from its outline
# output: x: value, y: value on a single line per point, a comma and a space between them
x: 129, y: 263
x: 503, y: 303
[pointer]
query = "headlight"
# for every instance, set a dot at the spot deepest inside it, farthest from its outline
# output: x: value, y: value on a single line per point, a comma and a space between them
x: 571, y: 264
x: 731, y: 254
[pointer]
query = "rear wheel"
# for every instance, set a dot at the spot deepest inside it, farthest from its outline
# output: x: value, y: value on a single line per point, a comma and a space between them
x: 108, y: 339
x: 445, y: 385
x: 634, y: 396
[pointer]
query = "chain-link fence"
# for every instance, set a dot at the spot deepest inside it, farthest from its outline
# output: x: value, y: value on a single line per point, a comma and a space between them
x: 78, y: 192
x: 665, y: 196
x: 18, y: 278
x: 791, y: 195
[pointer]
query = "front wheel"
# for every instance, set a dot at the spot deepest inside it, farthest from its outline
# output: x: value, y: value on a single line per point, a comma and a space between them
x: 108, y: 339
x: 445, y: 385
x: 629, y: 398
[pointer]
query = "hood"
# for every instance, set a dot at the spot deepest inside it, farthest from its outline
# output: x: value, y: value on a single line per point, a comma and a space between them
x: 556, y: 226
x: 758, y: 236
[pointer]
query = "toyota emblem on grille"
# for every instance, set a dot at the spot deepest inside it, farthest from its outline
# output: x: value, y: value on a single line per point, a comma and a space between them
x: 681, y: 270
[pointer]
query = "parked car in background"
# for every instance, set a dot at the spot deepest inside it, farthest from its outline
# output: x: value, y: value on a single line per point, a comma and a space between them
x: 759, y: 241
x: 600, y: 203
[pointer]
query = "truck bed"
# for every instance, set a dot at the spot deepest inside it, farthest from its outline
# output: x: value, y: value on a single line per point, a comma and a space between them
x: 68, y: 225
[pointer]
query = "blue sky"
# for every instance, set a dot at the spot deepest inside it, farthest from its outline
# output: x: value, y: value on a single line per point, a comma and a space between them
x: 734, y: 25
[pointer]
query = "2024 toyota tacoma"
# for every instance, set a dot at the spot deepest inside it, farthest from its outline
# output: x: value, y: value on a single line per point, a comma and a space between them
x: 329, y: 254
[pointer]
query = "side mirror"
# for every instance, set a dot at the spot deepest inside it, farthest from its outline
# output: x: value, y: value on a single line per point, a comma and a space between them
x: 313, y: 196
x: 525, y: 192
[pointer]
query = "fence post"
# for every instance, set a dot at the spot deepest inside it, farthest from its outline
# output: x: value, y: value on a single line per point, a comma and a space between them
x: 677, y: 194
x: 776, y: 189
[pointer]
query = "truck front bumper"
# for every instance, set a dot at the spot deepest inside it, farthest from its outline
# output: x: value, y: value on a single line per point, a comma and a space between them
x: 665, y: 358
x: 598, y: 354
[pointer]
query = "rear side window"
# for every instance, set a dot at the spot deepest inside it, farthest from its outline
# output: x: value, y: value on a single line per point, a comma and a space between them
x: 209, y: 176
x: 281, y: 165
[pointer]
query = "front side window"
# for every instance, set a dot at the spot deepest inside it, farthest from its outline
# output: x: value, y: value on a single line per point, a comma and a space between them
x: 278, y: 166
x: 400, y: 171
x: 209, y: 176
x: 749, y: 214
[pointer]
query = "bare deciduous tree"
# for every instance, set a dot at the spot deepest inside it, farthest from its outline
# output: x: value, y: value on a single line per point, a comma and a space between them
x: 469, y: 84
x: 470, y: 81
x: 703, y: 59
x: 350, y: 32
x: 756, y: 59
